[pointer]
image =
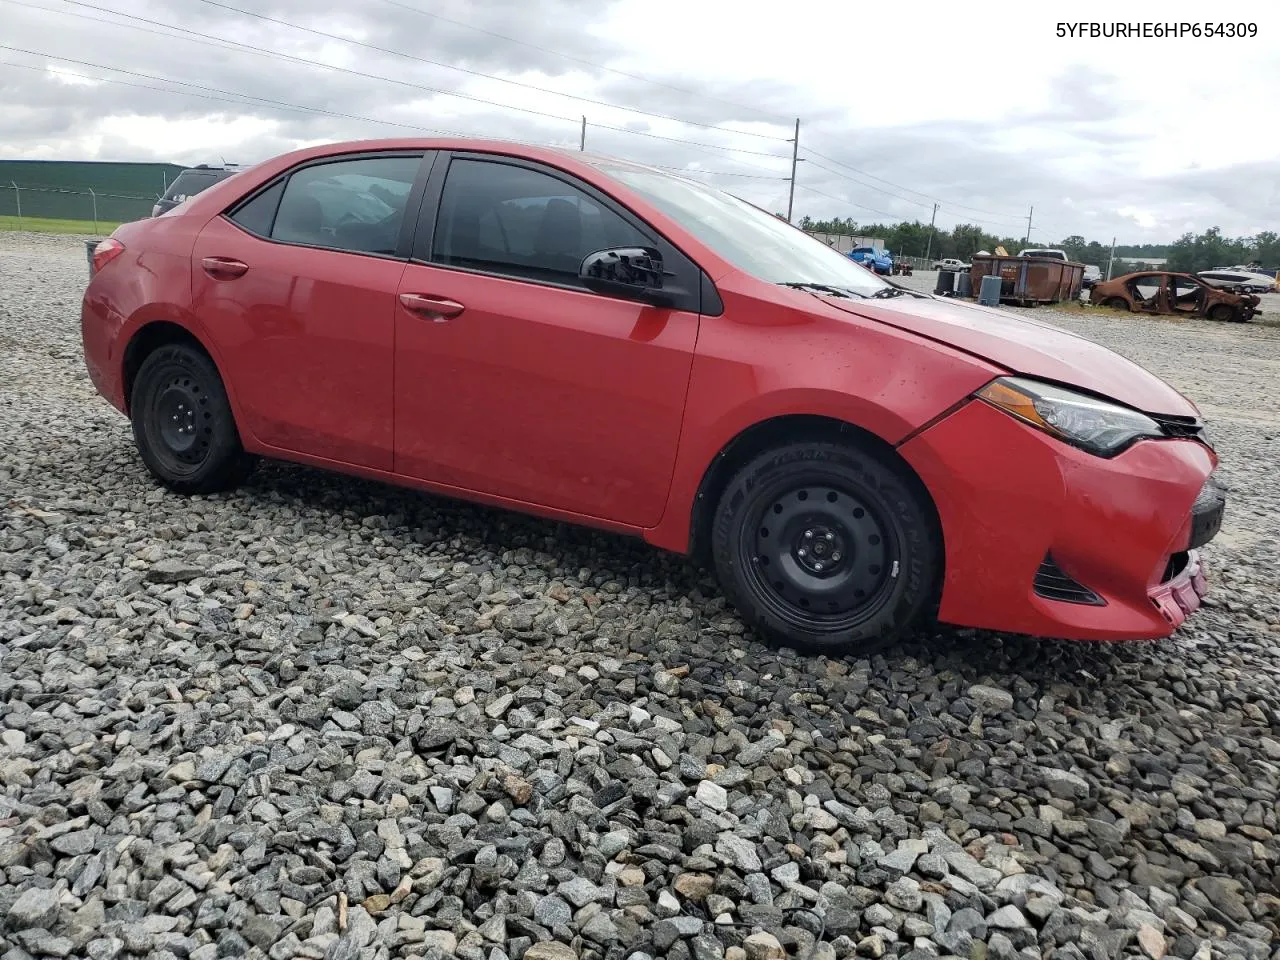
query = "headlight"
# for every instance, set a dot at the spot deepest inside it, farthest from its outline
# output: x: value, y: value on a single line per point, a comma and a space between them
x: 1094, y: 425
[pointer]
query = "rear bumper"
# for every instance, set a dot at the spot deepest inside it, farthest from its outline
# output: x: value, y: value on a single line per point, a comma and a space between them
x: 99, y: 329
x: 1047, y: 540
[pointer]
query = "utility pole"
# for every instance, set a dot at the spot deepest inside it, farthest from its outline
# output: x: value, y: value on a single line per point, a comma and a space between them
x: 1027, y: 239
x: 1112, y: 258
x: 795, y: 157
x: 928, y: 247
x: 582, y: 140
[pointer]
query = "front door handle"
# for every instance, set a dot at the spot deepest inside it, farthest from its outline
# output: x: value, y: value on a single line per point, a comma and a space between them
x: 224, y: 268
x: 438, y: 309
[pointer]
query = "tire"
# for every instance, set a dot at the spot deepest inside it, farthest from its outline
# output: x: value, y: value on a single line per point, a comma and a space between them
x: 866, y: 515
x: 183, y: 425
x: 1222, y: 312
x: 1116, y: 303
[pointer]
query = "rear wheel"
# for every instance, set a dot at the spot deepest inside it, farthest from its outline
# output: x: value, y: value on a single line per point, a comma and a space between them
x: 1221, y: 311
x: 822, y: 546
x: 183, y: 425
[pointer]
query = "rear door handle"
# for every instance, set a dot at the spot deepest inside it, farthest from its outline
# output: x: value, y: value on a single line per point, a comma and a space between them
x: 224, y: 268
x: 438, y: 309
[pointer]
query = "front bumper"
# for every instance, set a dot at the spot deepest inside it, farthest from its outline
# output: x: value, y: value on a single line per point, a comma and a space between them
x: 1044, y: 539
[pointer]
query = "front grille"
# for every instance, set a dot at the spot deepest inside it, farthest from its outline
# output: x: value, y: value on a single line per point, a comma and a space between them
x: 1183, y: 428
x: 1177, y: 563
x: 1052, y: 584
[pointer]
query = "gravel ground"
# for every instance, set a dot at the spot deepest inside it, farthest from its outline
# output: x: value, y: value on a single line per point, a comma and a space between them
x: 324, y: 718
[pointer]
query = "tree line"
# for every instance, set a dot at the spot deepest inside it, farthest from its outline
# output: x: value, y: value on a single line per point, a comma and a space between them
x: 1188, y: 254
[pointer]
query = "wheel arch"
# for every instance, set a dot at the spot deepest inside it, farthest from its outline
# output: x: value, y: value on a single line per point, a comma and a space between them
x: 148, y: 338
x: 774, y: 431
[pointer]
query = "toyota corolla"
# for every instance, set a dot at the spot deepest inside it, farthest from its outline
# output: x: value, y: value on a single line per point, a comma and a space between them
x: 595, y: 341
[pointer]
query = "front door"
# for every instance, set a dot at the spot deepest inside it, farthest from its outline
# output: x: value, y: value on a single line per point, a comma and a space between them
x: 1147, y: 291
x: 298, y: 289
x: 511, y: 378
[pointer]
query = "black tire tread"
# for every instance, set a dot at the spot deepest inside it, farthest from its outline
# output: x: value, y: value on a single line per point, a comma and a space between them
x: 228, y: 464
x: 922, y: 565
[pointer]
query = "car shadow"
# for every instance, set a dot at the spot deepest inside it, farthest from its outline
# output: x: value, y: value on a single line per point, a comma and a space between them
x: 410, y: 516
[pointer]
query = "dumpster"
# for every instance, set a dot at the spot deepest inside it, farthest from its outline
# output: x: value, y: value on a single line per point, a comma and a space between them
x: 1027, y: 281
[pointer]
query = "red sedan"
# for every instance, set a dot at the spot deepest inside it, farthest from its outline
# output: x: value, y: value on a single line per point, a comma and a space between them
x: 599, y: 342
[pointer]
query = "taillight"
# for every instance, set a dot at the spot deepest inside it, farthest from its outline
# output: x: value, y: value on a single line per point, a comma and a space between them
x: 105, y: 252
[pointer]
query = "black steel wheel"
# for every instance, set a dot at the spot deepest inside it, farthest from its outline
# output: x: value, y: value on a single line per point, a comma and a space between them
x: 1117, y: 303
x: 823, y: 546
x: 182, y: 422
x: 1222, y: 312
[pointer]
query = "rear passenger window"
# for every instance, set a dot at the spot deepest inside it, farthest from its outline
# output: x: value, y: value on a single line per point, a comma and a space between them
x: 354, y: 205
x: 258, y: 214
x: 515, y: 221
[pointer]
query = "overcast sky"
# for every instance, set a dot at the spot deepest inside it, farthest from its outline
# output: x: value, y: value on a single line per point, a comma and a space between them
x: 900, y: 105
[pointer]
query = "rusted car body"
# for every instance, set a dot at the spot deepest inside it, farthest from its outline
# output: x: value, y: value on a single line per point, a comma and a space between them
x: 1028, y: 281
x: 1174, y: 294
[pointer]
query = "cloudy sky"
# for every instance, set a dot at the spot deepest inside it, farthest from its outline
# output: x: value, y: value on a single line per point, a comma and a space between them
x: 900, y: 105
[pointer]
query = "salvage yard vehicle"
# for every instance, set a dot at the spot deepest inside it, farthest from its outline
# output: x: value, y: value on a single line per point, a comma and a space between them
x: 600, y: 342
x: 1174, y: 294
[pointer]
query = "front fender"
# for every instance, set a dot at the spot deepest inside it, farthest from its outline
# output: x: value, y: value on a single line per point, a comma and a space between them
x: 816, y: 362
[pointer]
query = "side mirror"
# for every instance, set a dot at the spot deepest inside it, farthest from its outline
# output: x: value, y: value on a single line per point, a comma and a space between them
x: 632, y: 272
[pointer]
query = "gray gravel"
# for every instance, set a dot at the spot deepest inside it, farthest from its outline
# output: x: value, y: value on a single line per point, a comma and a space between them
x: 324, y: 718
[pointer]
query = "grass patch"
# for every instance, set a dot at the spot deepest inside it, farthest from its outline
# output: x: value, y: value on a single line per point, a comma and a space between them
x: 47, y: 225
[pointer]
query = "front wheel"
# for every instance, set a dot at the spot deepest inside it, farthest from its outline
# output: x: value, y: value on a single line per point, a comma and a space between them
x: 1117, y: 303
x: 182, y: 422
x: 1222, y: 312
x: 822, y: 546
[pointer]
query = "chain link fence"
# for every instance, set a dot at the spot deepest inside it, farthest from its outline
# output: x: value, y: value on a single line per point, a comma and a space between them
x: 103, y: 210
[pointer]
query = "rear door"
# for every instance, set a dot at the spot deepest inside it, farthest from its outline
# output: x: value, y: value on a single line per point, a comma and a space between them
x: 297, y: 285
x: 524, y: 384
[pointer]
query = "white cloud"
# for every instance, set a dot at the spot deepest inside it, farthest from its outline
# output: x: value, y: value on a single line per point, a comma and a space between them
x: 989, y: 115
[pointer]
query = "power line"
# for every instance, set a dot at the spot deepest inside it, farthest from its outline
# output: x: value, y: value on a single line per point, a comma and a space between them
x: 718, y: 173
x: 489, y: 76
x: 842, y: 176
x: 225, y: 96
x: 892, y: 216
x: 918, y: 193
x: 589, y: 63
x: 222, y: 43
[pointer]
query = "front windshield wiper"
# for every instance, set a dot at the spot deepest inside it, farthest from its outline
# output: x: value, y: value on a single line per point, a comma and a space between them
x: 819, y: 288
x: 888, y: 292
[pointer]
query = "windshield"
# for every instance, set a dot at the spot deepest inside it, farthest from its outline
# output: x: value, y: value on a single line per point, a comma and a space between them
x: 754, y: 241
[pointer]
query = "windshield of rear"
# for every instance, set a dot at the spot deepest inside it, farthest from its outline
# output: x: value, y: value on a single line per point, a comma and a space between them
x: 754, y: 241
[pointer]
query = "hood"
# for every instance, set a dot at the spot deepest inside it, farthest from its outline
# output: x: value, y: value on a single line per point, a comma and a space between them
x: 1027, y: 347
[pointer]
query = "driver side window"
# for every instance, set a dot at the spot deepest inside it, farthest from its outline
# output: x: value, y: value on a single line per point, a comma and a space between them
x: 509, y: 220
x: 352, y: 205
